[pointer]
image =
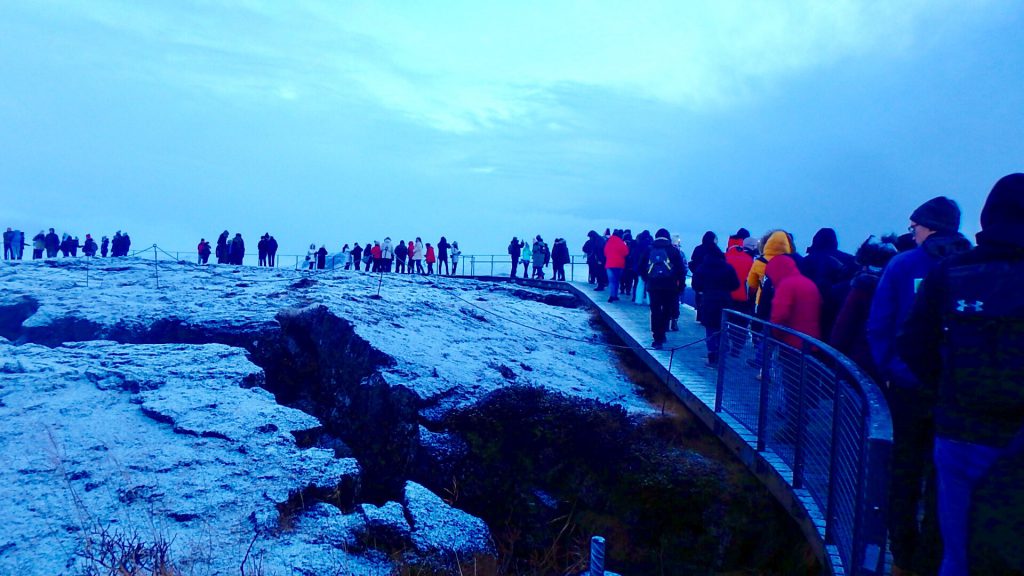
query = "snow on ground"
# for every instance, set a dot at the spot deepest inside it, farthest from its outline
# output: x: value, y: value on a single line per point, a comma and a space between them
x: 175, y: 439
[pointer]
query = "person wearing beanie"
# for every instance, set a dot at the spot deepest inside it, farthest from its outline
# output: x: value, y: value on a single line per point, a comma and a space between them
x: 934, y: 226
x: 737, y: 238
x: 663, y: 270
x: 963, y: 340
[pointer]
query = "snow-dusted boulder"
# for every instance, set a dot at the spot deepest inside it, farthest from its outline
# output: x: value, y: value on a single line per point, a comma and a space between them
x: 441, y: 530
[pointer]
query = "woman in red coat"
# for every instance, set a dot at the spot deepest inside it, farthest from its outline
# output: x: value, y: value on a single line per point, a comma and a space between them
x: 797, y: 302
x: 431, y: 258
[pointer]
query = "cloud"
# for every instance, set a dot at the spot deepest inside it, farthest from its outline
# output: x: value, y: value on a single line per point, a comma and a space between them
x: 462, y: 66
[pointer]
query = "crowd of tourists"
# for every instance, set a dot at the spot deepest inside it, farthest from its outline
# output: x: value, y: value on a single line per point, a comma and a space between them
x: 933, y: 319
x: 50, y: 245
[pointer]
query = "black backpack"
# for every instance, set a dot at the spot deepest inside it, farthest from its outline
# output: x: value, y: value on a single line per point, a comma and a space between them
x: 659, y: 265
x: 764, y: 303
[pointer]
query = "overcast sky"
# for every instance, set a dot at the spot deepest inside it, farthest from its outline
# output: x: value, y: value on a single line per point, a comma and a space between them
x: 333, y: 121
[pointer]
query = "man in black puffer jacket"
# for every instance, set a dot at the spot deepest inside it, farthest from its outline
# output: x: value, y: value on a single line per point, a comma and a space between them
x: 965, y: 339
x: 664, y: 271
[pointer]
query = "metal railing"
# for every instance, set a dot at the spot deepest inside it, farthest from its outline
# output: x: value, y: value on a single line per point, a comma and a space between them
x: 469, y: 264
x: 813, y: 409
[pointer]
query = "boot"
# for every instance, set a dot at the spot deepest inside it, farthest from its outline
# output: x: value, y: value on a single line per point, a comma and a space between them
x: 673, y: 325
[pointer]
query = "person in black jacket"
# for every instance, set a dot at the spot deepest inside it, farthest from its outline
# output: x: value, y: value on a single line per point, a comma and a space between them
x: 714, y: 280
x: 321, y: 258
x: 52, y: 242
x: 664, y: 271
x: 271, y: 251
x: 401, y: 252
x: 594, y: 249
x: 261, y: 250
x: 515, y: 248
x: 965, y: 338
x: 707, y: 243
x: 829, y: 268
x: 559, y: 258
x: 357, y: 255
x: 442, y: 255
x: 236, y: 250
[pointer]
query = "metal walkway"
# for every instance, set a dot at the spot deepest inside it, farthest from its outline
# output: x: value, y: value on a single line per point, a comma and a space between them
x: 840, y: 460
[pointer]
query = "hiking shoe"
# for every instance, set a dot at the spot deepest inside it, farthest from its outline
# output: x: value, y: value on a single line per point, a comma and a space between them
x: 657, y: 344
x: 674, y: 326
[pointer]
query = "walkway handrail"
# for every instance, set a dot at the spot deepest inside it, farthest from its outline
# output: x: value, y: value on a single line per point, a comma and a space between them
x: 823, y: 419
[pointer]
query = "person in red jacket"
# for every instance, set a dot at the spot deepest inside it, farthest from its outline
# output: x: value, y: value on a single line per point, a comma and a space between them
x: 615, y: 252
x: 797, y: 302
x: 431, y: 258
x: 378, y: 256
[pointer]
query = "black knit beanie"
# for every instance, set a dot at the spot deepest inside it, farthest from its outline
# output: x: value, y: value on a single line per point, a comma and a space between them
x: 940, y: 214
x: 662, y: 233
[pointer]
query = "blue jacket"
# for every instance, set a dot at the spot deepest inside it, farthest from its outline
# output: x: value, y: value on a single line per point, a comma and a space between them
x: 894, y: 299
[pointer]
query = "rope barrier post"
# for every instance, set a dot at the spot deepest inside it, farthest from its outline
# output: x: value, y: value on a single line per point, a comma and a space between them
x: 597, y: 556
x: 156, y: 267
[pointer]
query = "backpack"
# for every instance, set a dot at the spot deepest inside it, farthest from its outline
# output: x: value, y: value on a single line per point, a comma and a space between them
x: 764, y: 303
x: 660, y: 266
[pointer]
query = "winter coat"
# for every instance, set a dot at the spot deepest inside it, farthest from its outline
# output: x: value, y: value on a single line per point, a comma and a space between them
x: 963, y: 337
x: 677, y: 264
x: 39, y: 241
x: 386, y: 250
x: 741, y: 261
x: 560, y: 253
x: 700, y: 252
x: 418, y: 253
x: 456, y: 254
x: 431, y: 258
x: 271, y: 246
x: 797, y: 302
x: 412, y: 251
x: 357, y: 254
x: 377, y: 252
x: 401, y: 251
x: 615, y: 252
x: 849, y: 331
x: 515, y: 248
x: 777, y: 243
x: 321, y: 258
x: 594, y: 248
x: 52, y: 241
x: 261, y: 247
x: 204, y: 249
x: 90, y: 247
x: 715, y: 279
x: 527, y: 254
x: 237, y: 249
x: 540, y: 255
x: 894, y: 299
x: 442, y: 249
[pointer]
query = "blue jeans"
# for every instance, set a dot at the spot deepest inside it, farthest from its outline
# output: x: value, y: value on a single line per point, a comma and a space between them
x: 614, y: 274
x: 960, y: 466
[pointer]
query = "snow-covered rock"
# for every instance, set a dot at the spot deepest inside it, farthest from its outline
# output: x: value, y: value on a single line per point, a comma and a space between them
x: 132, y: 404
x: 439, y: 529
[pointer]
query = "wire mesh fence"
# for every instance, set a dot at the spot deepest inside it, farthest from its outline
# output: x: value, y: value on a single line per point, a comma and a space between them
x: 827, y: 422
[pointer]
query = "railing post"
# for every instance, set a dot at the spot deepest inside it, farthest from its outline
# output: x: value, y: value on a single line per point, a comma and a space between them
x: 801, y: 407
x: 596, y: 556
x: 472, y: 263
x: 720, y: 385
x: 492, y: 264
x: 762, y: 400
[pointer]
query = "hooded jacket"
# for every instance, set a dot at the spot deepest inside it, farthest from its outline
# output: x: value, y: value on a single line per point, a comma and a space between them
x: 594, y: 248
x: 740, y: 260
x: 777, y: 243
x: 560, y: 252
x: 615, y: 252
x: 716, y: 279
x: 386, y: 251
x: 797, y: 302
x: 540, y: 254
x: 678, y: 265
